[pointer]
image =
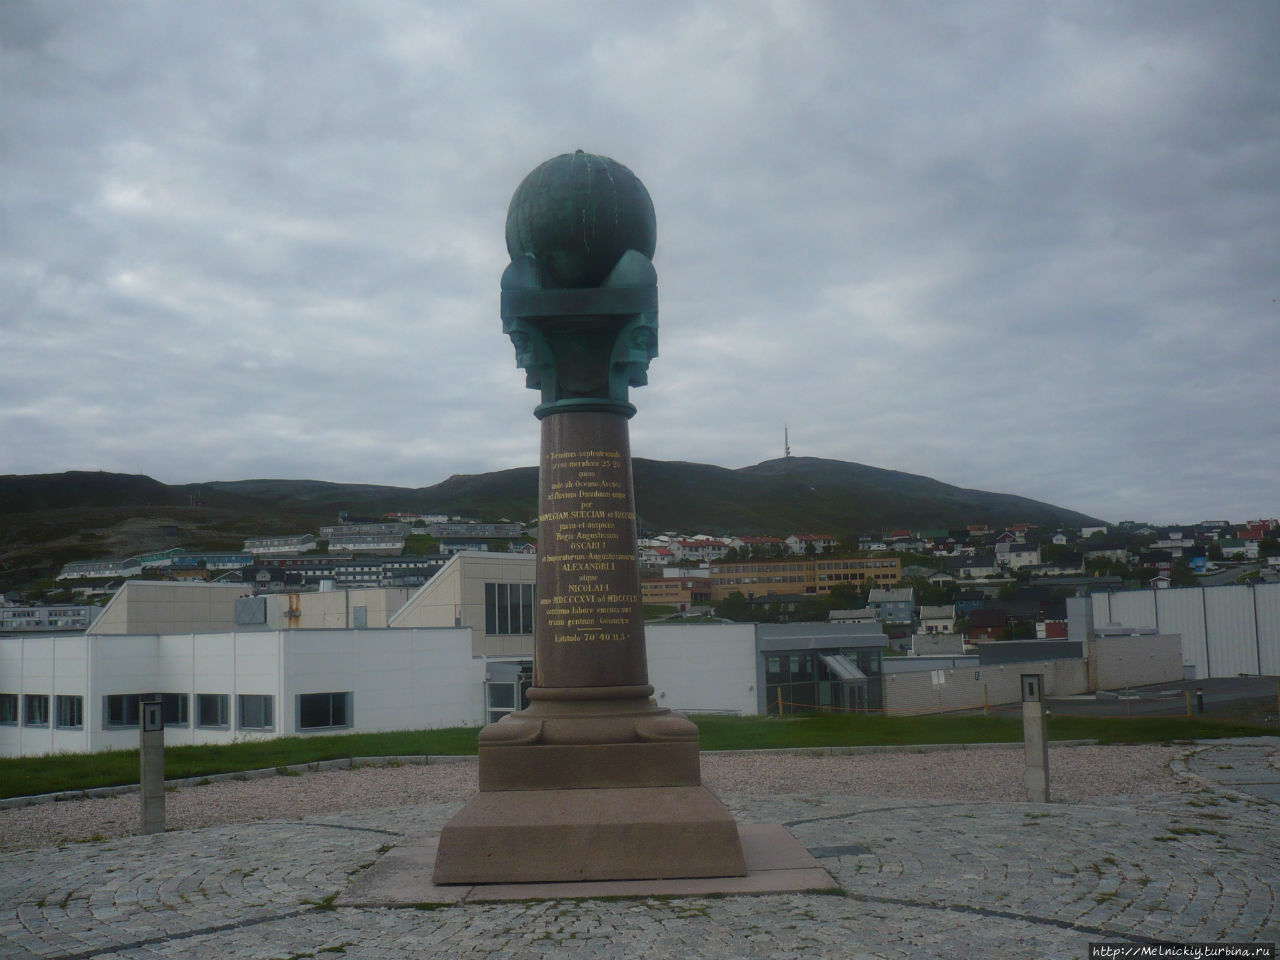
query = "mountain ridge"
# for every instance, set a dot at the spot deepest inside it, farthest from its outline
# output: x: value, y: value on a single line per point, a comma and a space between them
x: 790, y: 494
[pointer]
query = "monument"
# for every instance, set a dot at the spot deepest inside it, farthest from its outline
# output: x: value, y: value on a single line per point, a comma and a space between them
x: 593, y: 781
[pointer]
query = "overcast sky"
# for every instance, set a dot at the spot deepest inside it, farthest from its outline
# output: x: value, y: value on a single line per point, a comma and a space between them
x: 1024, y: 247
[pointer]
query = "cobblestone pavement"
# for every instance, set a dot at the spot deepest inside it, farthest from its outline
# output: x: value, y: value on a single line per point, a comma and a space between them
x: 918, y: 879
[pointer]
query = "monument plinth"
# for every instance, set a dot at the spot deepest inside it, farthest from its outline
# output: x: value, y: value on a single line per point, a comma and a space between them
x: 593, y: 781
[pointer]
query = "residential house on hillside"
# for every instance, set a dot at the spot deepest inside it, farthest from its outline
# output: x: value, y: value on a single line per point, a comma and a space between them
x: 1260, y: 529
x: 969, y: 600
x: 212, y: 561
x: 893, y: 605
x: 757, y: 545
x: 975, y: 567
x: 939, y: 618
x: 1066, y: 565
x: 1159, y: 560
x: 1016, y: 555
x: 987, y: 624
x: 100, y: 569
x: 382, y: 544
x: 1237, y: 548
x: 798, y: 543
x: 295, y: 543
x: 698, y: 549
x: 393, y: 529
x: 655, y: 556
x: 473, y: 530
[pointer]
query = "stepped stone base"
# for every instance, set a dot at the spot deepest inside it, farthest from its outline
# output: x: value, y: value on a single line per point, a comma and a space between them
x: 580, y: 766
x: 628, y: 833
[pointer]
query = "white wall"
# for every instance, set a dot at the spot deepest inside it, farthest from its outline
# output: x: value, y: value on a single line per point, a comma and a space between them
x: 400, y: 679
x: 929, y: 691
x: 1225, y: 630
x: 48, y: 666
x: 703, y: 666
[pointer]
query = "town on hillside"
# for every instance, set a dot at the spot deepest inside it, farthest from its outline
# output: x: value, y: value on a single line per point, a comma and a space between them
x: 407, y: 622
x: 973, y: 584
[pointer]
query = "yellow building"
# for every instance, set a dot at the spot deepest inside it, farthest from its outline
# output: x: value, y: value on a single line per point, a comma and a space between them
x: 758, y: 578
x: 675, y: 591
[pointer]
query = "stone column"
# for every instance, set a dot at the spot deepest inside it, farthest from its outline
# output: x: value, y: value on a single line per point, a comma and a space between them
x: 590, y: 624
x: 151, y: 762
x: 1035, y: 738
x: 593, y: 781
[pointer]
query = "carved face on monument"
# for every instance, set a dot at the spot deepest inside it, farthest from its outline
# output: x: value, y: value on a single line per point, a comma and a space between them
x: 578, y: 213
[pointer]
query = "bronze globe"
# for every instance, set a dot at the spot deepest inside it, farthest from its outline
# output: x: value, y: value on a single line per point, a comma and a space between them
x: 577, y: 214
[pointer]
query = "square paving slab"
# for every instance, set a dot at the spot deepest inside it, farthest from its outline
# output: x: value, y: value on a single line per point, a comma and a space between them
x: 776, y: 863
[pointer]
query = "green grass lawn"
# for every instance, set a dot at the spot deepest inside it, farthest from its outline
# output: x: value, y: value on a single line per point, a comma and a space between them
x: 21, y: 776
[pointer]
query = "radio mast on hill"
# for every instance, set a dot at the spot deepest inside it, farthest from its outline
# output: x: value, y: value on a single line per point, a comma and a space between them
x: 786, y: 442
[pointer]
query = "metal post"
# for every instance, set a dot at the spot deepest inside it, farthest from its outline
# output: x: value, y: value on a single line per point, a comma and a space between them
x: 151, y: 758
x: 986, y: 705
x: 1199, y: 699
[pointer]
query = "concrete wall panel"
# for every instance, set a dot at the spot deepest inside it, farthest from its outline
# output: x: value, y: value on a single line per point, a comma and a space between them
x: 704, y: 667
x: 1231, y: 630
x: 958, y: 689
x: 1134, y: 609
x: 1116, y: 662
x: 1267, y: 599
x: 1182, y: 612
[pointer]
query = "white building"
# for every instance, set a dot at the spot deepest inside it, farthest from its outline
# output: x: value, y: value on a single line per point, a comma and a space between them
x: 1226, y: 631
x: 798, y: 543
x: 938, y: 619
x: 1016, y: 555
x: 100, y: 569
x: 374, y: 543
x: 30, y: 618
x: 80, y: 694
x: 268, y: 546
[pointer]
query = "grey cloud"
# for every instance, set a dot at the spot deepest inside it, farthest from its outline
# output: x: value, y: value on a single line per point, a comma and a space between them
x: 1028, y: 249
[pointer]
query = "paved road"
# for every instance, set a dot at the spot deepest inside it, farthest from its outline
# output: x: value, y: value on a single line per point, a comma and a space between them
x: 1223, y: 696
x: 917, y: 879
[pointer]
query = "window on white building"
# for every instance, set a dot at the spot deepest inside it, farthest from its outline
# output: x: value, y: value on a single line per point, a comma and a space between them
x: 508, y: 608
x: 324, y: 711
x: 120, y: 710
x: 257, y: 712
x: 35, y: 710
x: 213, y: 710
x: 176, y: 708
x: 8, y: 708
x: 69, y: 712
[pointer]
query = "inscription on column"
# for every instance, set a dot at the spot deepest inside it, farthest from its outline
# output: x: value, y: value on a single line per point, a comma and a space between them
x: 587, y: 531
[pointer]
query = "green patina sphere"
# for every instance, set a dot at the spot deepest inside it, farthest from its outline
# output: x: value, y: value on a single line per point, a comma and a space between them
x: 578, y: 213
